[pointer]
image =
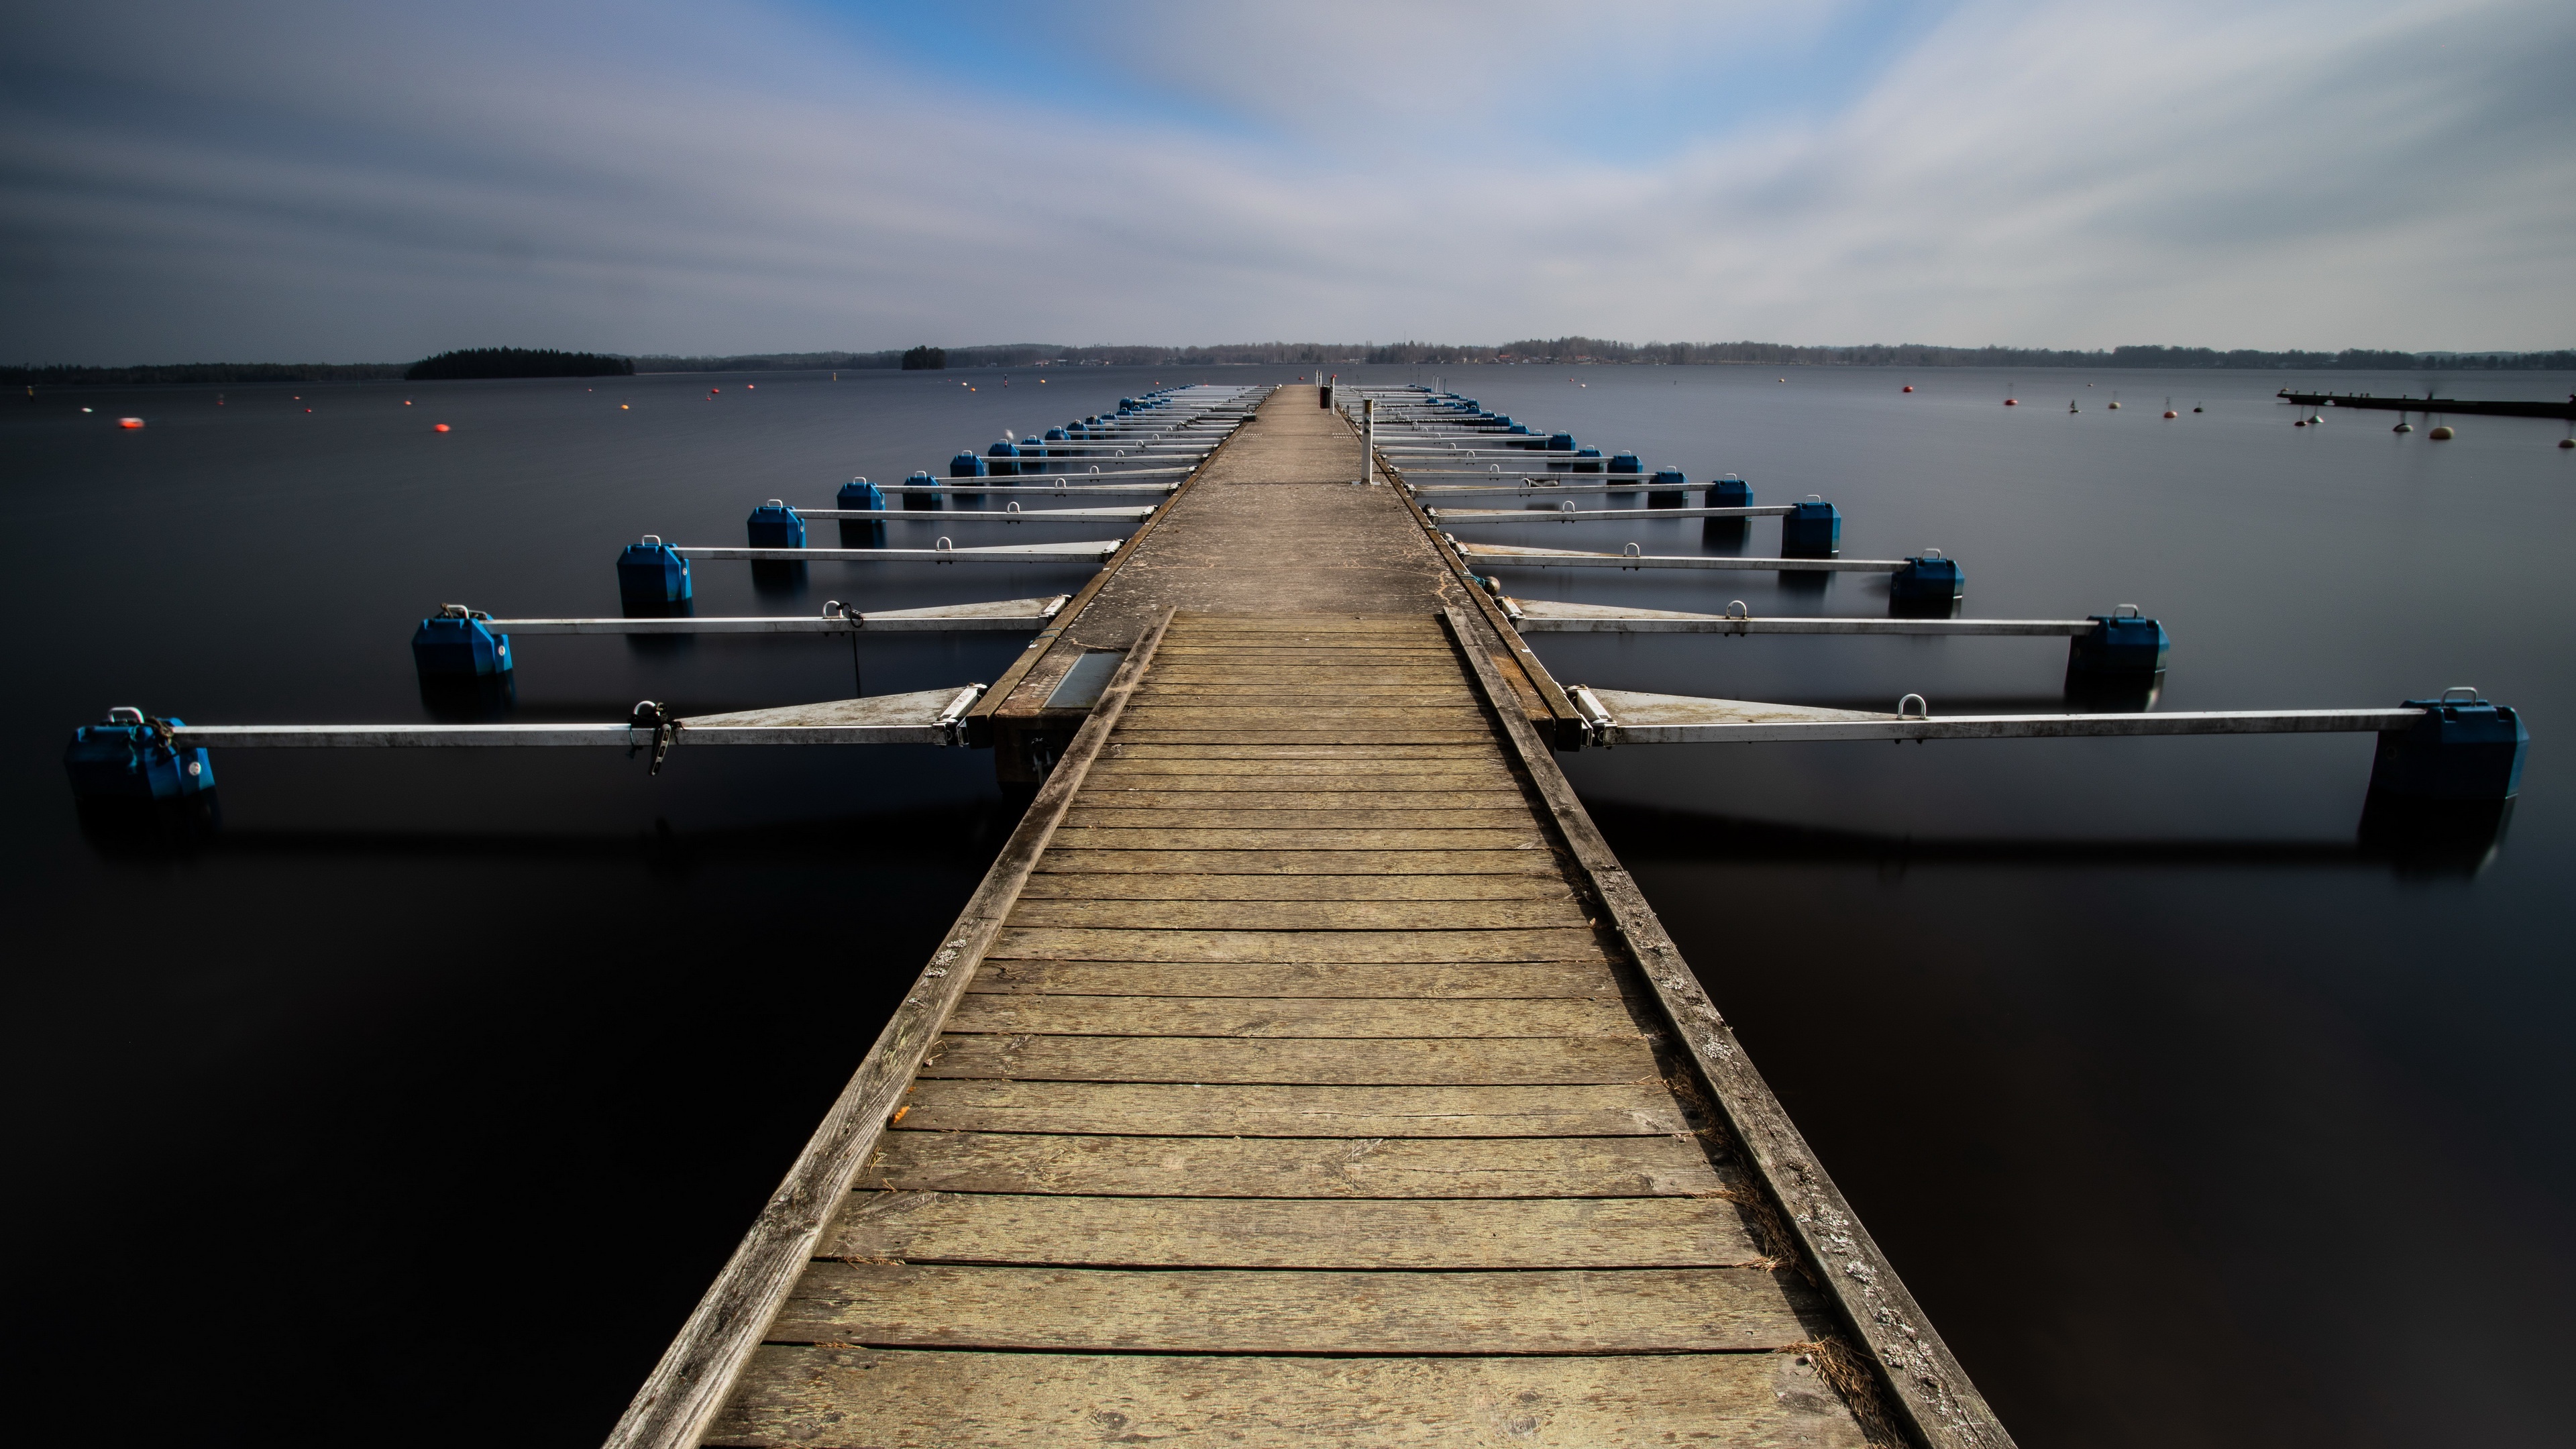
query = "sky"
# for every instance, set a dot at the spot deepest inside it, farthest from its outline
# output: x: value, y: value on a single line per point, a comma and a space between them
x: 353, y: 181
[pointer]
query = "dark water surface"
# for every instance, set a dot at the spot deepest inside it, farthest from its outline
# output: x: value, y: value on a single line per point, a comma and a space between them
x: 419, y: 1100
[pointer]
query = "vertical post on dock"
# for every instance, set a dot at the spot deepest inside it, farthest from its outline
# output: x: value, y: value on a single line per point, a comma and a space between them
x: 1368, y: 440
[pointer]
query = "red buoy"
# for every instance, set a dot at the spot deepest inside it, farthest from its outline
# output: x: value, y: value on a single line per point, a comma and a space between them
x: 2169, y: 412
x: 1909, y: 387
x: 2012, y: 402
x: 442, y: 427
x: 129, y: 422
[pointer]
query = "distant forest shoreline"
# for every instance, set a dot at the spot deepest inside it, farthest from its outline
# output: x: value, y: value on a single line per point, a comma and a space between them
x: 1561, y: 351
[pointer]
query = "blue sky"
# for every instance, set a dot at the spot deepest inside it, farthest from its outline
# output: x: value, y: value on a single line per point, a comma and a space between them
x: 358, y: 181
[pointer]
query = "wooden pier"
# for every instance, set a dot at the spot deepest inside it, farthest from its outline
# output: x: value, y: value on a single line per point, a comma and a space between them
x: 1305, y: 1070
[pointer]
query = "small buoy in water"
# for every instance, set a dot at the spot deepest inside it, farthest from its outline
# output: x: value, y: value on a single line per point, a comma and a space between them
x: 2441, y: 434
x: 2403, y: 428
x: 2196, y: 407
x: 622, y: 407
x: 125, y: 422
x: 748, y: 386
x: 2301, y: 423
x: 84, y: 409
x: 2567, y: 442
x: 442, y: 427
x: 1909, y: 387
x: 2115, y: 403
x: 2012, y: 402
x: 2070, y: 405
x: 2169, y: 412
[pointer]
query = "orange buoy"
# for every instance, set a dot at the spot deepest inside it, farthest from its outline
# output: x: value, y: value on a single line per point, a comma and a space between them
x: 621, y: 407
x: 125, y: 422
x: 1909, y: 387
x: 442, y: 427
x: 2441, y: 434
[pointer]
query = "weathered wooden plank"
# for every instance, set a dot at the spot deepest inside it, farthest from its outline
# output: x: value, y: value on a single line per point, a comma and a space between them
x: 1266, y: 694
x: 1110, y: 838
x: 1263, y: 979
x: 1396, y: 915
x: 1254, y: 777
x: 1168, y: 715
x: 1163, y: 1109
x: 846, y: 1398
x: 697, y: 1370
x: 1402, y: 792
x: 1115, y: 814
x: 1930, y: 1390
x: 1475, y: 751
x: 1220, y: 1310
x: 1312, y: 1018
x: 1231, y: 1167
x: 1318, y: 734
x: 1474, y: 1061
x: 1359, y: 1235
x: 1136, y: 886
x: 1351, y: 947
x: 1521, y: 859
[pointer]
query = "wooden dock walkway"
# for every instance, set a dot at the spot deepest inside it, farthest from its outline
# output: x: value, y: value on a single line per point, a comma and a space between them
x: 1305, y: 1072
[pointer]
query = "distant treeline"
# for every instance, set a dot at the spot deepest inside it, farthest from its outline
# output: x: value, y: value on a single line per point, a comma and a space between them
x: 215, y: 372
x: 516, y: 362
x: 1595, y: 349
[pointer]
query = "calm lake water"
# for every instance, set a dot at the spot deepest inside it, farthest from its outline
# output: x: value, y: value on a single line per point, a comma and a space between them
x: 427, y: 1092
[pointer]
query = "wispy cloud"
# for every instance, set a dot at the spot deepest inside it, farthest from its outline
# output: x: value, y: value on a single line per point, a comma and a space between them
x: 345, y: 182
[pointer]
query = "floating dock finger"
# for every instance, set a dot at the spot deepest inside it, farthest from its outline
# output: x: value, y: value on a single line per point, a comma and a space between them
x: 1499, y: 555
x: 927, y: 717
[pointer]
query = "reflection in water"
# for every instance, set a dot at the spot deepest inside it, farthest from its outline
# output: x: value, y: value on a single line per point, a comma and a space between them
x: 1724, y: 535
x: 483, y: 699
x: 2434, y: 837
x: 2091, y: 693
x: 781, y: 582
x: 150, y: 829
x: 2409, y: 837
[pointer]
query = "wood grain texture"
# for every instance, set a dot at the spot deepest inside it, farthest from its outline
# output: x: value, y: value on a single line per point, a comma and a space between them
x: 1383, y: 915
x: 855, y: 1398
x: 1450, y: 1167
x: 1521, y: 858
x: 689, y: 1384
x: 1119, y: 815
x: 1931, y: 1391
x: 1332, y: 1233
x: 1104, y: 837
x: 1288, y: 1018
x: 1158, y: 1109
x: 1106, y: 886
x: 1408, y: 792
x: 1349, y: 947
x: 1509, y: 1061
x: 1219, y: 1310
x: 1477, y: 980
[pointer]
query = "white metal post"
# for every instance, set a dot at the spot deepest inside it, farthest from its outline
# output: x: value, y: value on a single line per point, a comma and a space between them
x: 1368, y: 440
